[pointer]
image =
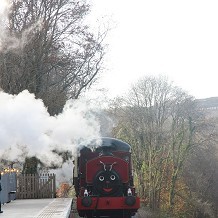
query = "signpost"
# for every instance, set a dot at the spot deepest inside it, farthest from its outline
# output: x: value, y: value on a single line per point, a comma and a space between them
x: 0, y: 192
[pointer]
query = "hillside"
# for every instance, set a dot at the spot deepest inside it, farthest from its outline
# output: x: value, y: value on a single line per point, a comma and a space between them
x: 208, y: 103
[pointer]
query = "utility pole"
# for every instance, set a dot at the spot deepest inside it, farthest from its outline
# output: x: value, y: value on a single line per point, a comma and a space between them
x: 0, y: 192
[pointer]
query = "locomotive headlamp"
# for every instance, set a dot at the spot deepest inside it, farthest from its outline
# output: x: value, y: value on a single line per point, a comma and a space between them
x: 129, y: 192
x: 86, y: 193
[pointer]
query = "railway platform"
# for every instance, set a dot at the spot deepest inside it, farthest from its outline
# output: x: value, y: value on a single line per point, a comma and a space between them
x: 37, y: 208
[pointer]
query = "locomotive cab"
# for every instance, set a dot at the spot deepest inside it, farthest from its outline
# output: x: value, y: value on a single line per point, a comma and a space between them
x: 103, y: 180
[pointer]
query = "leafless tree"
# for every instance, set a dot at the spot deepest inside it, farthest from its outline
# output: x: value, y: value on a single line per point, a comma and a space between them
x: 158, y: 119
x: 50, y: 51
x: 200, y: 170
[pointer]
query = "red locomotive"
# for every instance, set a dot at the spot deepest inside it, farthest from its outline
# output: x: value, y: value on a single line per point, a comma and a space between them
x: 103, y: 181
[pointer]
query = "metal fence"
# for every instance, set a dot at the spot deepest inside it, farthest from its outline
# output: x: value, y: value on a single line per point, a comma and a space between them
x: 9, y: 186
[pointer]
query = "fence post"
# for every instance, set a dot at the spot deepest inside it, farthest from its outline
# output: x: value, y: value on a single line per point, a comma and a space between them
x: 0, y: 192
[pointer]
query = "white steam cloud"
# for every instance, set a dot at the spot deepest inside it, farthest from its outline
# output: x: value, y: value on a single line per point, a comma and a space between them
x: 10, y: 42
x: 26, y: 128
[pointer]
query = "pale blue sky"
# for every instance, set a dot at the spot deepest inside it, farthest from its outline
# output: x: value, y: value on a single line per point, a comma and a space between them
x: 175, y: 38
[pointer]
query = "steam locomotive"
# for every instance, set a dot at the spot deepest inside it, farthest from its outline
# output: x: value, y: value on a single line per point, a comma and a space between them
x: 103, y: 180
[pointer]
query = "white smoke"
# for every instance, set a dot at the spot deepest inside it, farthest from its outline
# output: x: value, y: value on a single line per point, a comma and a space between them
x: 26, y: 128
x: 9, y: 42
x: 64, y: 174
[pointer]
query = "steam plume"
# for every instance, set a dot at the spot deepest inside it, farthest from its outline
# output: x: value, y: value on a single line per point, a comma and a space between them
x: 26, y: 128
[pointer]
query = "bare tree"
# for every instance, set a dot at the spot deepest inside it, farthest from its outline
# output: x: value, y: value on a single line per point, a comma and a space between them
x: 200, y: 170
x: 158, y: 120
x: 50, y: 51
